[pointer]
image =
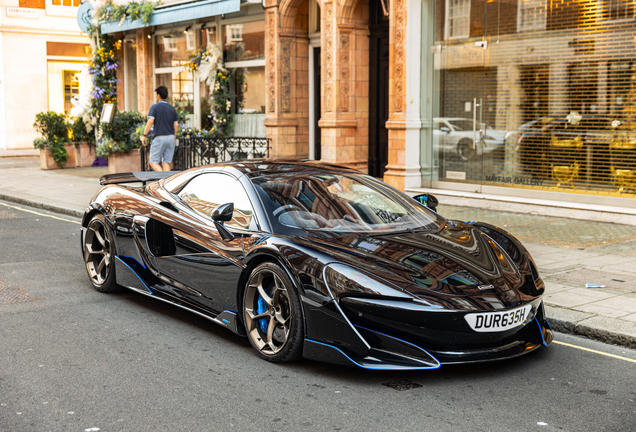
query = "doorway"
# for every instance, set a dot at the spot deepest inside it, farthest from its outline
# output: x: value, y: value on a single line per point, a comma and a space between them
x: 378, y: 89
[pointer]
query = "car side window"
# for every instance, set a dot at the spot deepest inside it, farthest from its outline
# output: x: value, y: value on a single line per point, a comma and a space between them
x: 206, y: 192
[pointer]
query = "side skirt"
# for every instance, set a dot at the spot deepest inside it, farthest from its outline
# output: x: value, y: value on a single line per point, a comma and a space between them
x: 129, y: 278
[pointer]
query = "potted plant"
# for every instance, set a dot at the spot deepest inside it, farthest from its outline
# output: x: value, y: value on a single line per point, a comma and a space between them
x: 120, y: 142
x: 83, y: 141
x: 54, y: 145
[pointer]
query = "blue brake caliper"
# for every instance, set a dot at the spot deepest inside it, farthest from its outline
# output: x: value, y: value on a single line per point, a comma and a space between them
x: 261, y: 307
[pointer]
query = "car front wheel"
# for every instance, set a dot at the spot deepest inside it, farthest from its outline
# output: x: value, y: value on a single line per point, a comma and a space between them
x: 272, y: 314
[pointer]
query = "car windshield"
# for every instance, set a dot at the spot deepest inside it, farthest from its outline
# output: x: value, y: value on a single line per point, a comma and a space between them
x: 461, y: 125
x: 339, y: 204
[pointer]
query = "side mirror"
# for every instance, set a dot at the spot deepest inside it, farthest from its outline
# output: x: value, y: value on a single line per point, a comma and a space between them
x: 223, y: 213
x: 445, y: 129
x: 428, y: 200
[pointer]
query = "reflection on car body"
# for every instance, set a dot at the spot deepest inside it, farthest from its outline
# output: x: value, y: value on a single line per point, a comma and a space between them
x: 317, y: 261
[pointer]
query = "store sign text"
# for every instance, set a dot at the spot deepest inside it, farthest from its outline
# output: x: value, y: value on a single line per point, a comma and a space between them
x: 17, y: 12
x: 528, y: 181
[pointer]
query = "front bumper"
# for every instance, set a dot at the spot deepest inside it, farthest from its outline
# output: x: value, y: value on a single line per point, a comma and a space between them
x: 397, y: 336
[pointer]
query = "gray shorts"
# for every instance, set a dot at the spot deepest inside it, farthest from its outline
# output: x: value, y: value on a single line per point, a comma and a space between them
x: 162, y: 149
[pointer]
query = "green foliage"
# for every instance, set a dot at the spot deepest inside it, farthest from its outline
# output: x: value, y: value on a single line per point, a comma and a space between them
x: 79, y: 132
x: 51, y: 125
x: 223, y: 120
x: 182, y: 115
x: 122, y: 134
x: 53, y: 128
x: 111, y: 12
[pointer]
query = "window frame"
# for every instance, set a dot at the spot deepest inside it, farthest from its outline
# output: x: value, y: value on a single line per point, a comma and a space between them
x: 208, y: 220
x: 521, y: 28
x: 59, y: 10
x: 447, y: 20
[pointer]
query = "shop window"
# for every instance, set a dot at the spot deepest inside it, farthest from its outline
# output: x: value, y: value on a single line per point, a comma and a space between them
x: 64, y: 83
x: 180, y: 91
x: 171, y: 50
x: 457, y: 19
x: 62, y: 7
x: 532, y: 15
x: 618, y: 9
x: 249, y: 106
x: 244, y: 41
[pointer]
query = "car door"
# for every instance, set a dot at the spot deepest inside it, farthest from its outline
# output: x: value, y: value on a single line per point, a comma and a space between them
x: 191, y: 255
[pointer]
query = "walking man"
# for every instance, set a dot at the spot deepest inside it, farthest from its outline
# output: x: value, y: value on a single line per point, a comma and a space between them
x: 164, y: 117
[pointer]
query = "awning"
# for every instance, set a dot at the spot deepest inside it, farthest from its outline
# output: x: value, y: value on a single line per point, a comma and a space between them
x: 178, y: 13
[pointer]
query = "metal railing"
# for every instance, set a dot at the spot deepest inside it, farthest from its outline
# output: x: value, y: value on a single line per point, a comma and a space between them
x: 193, y: 152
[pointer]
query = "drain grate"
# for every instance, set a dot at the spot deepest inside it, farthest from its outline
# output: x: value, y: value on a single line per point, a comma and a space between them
x: 9, y: 295
x: 401, y: 385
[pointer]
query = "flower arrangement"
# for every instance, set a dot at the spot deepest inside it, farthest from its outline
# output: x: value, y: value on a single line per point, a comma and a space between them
x: 223, y: 120
x: 208, y: 61
x: 110, y: 12
x: 122, y: 134
x: 195, y: 58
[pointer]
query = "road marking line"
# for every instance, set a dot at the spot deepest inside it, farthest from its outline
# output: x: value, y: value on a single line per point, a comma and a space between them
x: 595, y: 351
x: 41, y: 214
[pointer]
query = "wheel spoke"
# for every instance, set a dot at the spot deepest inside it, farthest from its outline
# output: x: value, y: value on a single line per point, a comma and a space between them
x: 100, y: 239
x: 279, y: 319
x: 253, y: 316
x: 101, y: 265
x: 263, y: 294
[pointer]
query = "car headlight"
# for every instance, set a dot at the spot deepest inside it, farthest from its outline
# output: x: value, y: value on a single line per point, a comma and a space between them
x: 344, y: 280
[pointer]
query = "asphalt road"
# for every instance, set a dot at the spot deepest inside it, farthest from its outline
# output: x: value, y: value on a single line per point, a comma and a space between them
x: 72, y: 359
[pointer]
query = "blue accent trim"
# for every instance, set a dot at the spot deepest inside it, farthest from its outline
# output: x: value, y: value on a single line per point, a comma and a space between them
x: 541, y: 332
x: 398, y: 339
x: 135, y: 273
x: 126, y: 256
x: 178, y: 13
x: 387, y: 367
x: 232, y: 311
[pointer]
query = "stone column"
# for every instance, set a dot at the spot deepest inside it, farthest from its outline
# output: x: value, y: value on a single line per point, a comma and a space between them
x: 344, y: 87
x: 145, y: 92
x: 396, y: 168
x: 287, y: 90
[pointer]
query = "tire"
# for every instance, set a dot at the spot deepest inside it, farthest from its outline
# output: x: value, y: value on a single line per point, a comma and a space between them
x: 465, y: 150
x: 272, y: 314
x: 99, y: 255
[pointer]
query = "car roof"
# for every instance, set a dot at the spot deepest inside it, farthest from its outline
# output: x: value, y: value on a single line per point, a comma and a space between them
x: 261, y: 167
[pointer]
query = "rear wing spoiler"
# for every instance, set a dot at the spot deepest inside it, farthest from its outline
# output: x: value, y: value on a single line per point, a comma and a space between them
x: 135, y: 177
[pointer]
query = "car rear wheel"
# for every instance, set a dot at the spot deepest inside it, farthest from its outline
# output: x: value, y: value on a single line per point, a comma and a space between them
x: 99, y: 253
x: 272, y: 314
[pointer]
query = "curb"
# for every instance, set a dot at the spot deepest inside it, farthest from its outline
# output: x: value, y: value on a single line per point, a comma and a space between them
x: 42, y: 206
x: 589, y: 327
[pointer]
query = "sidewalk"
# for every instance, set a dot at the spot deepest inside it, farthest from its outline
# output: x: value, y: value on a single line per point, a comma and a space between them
x: 569, y: 253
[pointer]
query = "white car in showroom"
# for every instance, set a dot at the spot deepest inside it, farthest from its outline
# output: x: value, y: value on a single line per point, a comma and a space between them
x: 457, y: 135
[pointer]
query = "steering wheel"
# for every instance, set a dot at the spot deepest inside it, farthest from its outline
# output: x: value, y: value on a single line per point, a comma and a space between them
x: 286, y: 208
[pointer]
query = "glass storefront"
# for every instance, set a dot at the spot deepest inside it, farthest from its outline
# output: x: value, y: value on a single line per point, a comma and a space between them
x: 241, y: 35
x: 535, y: 94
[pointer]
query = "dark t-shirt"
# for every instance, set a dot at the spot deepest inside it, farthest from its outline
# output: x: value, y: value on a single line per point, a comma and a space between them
x: 165, y: 115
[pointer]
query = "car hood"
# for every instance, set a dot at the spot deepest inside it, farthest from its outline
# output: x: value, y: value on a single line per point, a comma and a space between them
x: 458, y: 259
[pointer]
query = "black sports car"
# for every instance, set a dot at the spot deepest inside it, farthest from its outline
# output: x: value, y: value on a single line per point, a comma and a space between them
x: 319, y: 261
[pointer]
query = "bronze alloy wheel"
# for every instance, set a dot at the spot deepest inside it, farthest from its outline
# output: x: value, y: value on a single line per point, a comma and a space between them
x: 99, y: 255
x: 272, y: 314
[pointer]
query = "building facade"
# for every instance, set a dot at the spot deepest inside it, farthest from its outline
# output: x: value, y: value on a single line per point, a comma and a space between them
x: 532, y: 98
x: 42, y: 52
x: 526, y: 98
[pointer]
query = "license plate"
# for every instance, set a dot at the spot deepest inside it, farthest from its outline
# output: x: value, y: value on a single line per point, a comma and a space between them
x: 498, y: 321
